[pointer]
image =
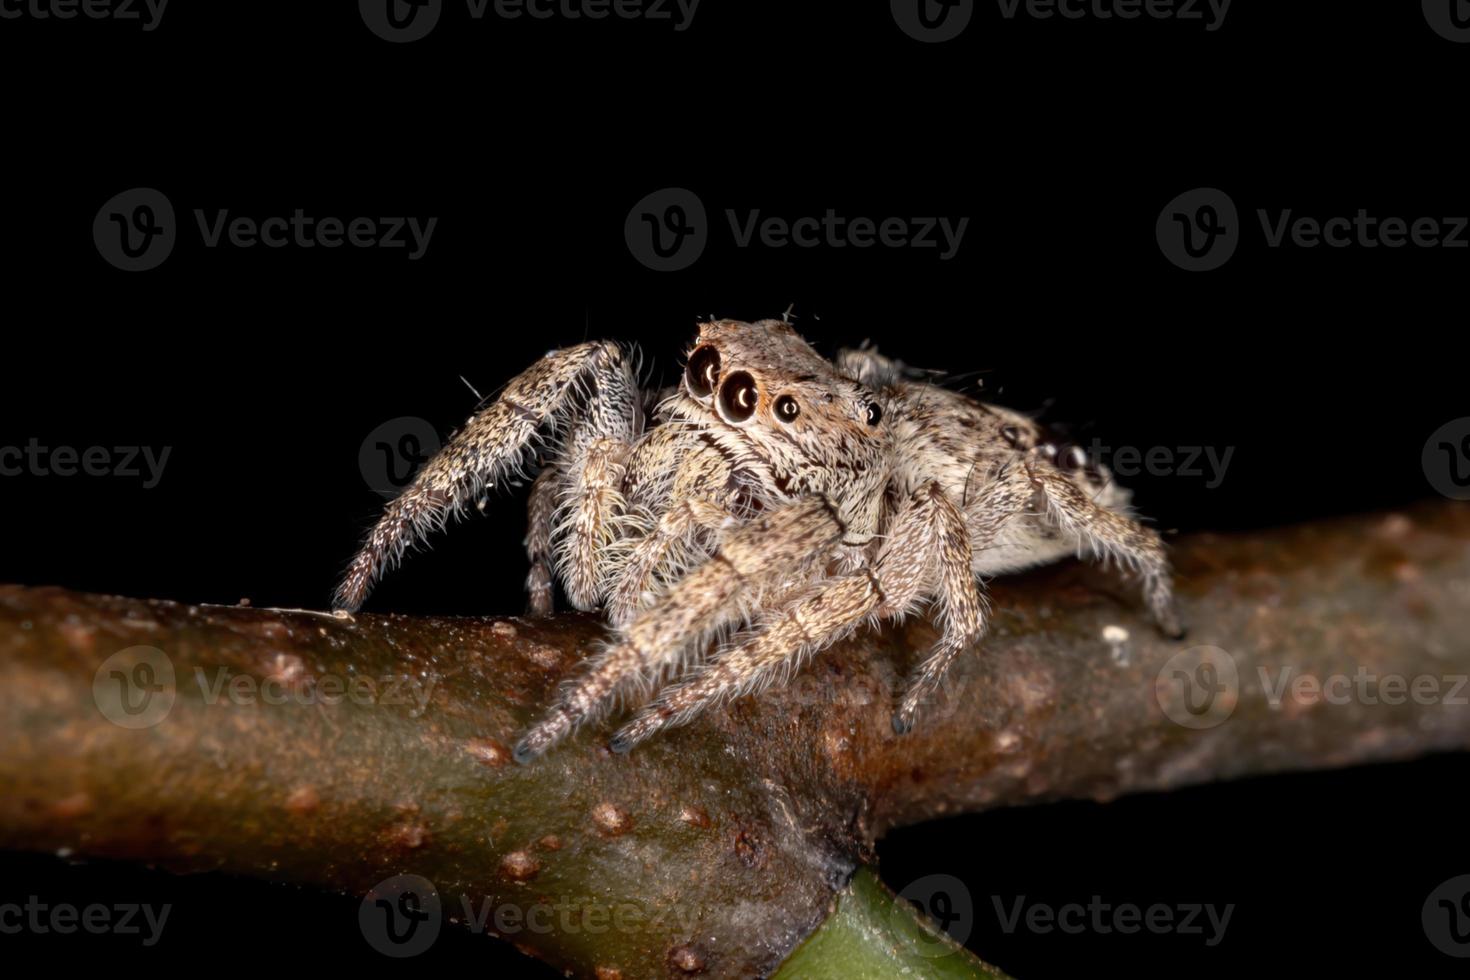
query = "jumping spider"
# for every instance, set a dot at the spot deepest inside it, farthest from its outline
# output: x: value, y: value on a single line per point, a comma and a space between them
x: 771, y: 504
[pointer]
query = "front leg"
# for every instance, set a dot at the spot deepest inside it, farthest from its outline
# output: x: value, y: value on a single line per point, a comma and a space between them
x: 654, y: 555
x: 962, y: 610
x: 927, y: 551
x: 492, y: 445
x: 540, y: 510
x: 710, y: 597
x: 1111, y: 536
x: 585, y: 518
x: 700, y: 484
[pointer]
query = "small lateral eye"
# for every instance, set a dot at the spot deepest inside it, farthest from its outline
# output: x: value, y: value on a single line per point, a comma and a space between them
x: 738, y: 397
x: 875, y: 413
x: 703, y: 372
x: 786, y: 408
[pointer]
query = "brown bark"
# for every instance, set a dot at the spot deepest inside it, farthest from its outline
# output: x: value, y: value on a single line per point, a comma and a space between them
x: 722, y: 843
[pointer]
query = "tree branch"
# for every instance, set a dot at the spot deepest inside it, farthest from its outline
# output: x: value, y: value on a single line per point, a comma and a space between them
x: 717, y: 848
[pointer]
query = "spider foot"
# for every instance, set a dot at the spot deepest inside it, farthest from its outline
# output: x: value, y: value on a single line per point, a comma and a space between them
x: 542, y: 736
x: 1171, y: 627
x: 638, y: 730
x: 1165, y: 612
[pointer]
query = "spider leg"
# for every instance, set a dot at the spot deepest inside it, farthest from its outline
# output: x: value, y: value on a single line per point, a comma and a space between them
x: 540, y: 510
x: 492, y: 445
x: 820, y: 616
x: 656, y: 554
x: 963, y: 612
x: 702, y: 484
x: 1111, y: 535
x: 928, y: 526
x: 590, y: 499
x: 706, y: 599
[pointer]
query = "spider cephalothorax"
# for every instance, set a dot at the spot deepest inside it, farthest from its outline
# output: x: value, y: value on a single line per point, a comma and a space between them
x: 781, y: 412
x: 772, y: 504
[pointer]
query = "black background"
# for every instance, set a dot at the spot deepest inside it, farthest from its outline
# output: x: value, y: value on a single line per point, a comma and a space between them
x: 265, y: 370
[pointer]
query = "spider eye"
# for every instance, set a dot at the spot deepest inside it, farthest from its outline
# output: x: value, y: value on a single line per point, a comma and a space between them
x: 786, y: 408
x: 738, y: 396
x: 875, y: 413
x: 703, y: 372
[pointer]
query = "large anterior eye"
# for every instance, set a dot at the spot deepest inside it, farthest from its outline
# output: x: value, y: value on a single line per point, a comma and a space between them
x: 703, y: 372
x: 738, y: 396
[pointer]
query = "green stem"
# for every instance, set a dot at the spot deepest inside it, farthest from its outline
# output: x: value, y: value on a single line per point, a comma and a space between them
x: 875, y: 935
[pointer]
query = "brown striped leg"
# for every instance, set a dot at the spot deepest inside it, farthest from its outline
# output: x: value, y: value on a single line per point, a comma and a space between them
x: 493, y: 445
x: 540, y: 599
x: 1111, y: 536
x: 708, y: 598
x: 903, y: 574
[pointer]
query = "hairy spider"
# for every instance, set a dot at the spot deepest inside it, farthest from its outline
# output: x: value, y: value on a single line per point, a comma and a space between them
x: 771, y: 504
